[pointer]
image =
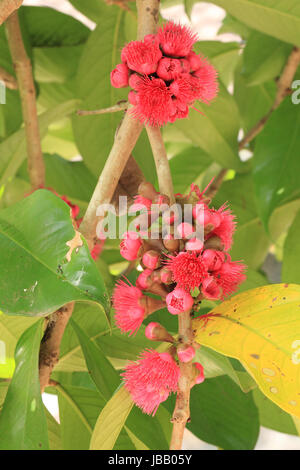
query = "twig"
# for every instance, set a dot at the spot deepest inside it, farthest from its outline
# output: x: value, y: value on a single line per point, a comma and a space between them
x: 161, y: 162
x: 9, y: 81
x: 112, y: 109
x: 216, y: 184
x: 50, y: 344
x: 7, y: 7
x: 36, y: 166
x: 126, y: 138
x: 181, y: 413
x: 283, y: 89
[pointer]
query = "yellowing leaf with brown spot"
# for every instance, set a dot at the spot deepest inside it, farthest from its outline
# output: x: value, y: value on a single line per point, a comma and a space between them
x: 260, y: 328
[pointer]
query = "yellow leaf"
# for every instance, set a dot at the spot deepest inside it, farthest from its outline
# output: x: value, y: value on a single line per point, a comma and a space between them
x: 111, y: 421
x: 260, y: 328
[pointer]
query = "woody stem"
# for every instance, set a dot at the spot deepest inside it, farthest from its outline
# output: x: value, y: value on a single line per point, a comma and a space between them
x: 181, y: 413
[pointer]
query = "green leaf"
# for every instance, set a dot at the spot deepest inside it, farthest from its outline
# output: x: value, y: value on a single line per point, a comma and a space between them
x: 36, y: 276
x: 253, y: 102
x: 72, y: 179
x: 251, y: 242
x: 216, y: 364
x: 291, y: 252
x: 49, y: 27
x: 232, y: 25
x: 92, y: 9
x: 54, y: 431
x: 56, y: 64
x: 214, y: 132
x: 224, y: 56
x: 94, y: 135
x: 277, y: 18
x: 223, y: 415
x: 260, y: 328
x: 115, y: 345
x: 276, y: 165
x: 104, y: 375
x: 22, y: 420
x: 111, y: 420
x: 11, y: 328
x: 273, y: 417
x: 13, y: 149
x: 187, y: 166
x: 263, y: 58
x: 79, y: 408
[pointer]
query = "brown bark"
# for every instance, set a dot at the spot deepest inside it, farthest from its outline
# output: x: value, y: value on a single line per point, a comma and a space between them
x: 22, y: 64
x: 7, y: 7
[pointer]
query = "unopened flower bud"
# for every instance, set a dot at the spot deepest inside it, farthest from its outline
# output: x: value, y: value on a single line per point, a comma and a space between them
x: 143, y: 281
x: 166, y: 276
x: 151, y: 259
x: 213, y: 243
x: 133, y: 97
x: 186, y: 354
x: 194, y: 244
x: 178, y: 301
x: 199, y: 372
x: 185, y: 230
x: 171, y: 244
x: 157, y: 332
x: 185, y: 65
x: 195, y: 61
x: 119, y: 76
x: 210, y: 289
x: 168, y: 68
x: 130, y: 246
x: 134, y: 80
x: 213, y: 259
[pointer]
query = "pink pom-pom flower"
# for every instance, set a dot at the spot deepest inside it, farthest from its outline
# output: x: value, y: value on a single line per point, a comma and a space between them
x: 151, y: 379
x: 129, y: 312
x: 188, y: 269
x: 119, y: 76
x: 230, y: 276
x: 141, y: 56
x: 176, y: 40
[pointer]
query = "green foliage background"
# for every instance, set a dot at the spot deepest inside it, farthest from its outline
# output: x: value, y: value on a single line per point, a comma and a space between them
x: 71, y: 67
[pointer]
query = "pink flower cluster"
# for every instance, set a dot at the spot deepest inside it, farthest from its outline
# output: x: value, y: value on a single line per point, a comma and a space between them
x: 165, y: 74
x: 180, y: 272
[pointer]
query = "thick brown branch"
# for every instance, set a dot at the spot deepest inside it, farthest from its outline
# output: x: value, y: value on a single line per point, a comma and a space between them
x: 50, y: 345
x: 7, y: 7
x: 22, y: 64
x: 181, y: 413
x: 283, y: 89
x: 8, y: 80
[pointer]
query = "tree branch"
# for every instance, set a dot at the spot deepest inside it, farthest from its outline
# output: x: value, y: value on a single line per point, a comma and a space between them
x: 123, y: 105
x: 283, y: 89
x: 22, y: 64
x: 50, y: 344
x: 161, y: 162
x: 9, y: 81
x: 217, y: 183
x: 181, y: 413
x: 7, y: 7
